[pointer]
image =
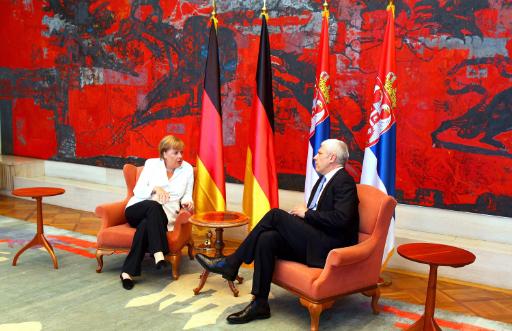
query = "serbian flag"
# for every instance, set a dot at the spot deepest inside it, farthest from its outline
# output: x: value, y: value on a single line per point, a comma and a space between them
x: 260, y: 185
x: 320, y: 129
x: 210, y: 189
x: 380, y: 152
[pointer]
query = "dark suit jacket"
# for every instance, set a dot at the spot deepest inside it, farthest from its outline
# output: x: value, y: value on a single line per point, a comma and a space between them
x: 336, y: 218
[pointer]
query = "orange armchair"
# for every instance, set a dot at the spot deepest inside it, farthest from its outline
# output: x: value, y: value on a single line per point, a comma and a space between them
x: 116, y: 234
x: 347, y: 270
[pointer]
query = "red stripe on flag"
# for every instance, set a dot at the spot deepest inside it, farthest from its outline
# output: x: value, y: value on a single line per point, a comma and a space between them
x: 263, y: 159
x: 323, y: 59
x: 211, y: 142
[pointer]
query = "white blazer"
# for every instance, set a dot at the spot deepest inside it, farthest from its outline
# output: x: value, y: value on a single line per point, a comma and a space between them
x: 179, y: 186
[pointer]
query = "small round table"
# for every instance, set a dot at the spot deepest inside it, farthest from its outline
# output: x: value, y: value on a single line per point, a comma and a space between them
x: 434, y: 255
x: 218, y: 220
x: 38, y: 193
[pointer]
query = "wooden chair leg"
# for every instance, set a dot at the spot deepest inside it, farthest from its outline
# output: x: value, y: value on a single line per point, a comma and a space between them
x: 99, y: 258
x: 174, y: 259
x: 190, y: 249
x: 375, y: 294
x: 315, y: 309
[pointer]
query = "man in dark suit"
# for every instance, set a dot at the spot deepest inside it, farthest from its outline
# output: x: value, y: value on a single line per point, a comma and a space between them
x: 306, y: 234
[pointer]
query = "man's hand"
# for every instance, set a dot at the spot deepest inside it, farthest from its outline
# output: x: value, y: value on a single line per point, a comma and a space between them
x: 299, y: 210
x: 189, y: 206
x: 161, y: 195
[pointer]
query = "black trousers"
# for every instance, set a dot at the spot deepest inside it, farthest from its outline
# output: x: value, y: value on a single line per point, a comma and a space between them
x: 150, y: 236
x: 277, y: 235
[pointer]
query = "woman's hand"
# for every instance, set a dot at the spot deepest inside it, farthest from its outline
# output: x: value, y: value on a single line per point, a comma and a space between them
x: 161, y: 195
x: 189, y: 206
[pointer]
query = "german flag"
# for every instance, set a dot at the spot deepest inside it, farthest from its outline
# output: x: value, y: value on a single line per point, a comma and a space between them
x: 210, y: 188
x: 260, y: 187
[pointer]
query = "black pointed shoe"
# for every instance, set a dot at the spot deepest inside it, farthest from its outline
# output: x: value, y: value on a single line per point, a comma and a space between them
x: 161, y: 264
x: 218, y: 265
x: 253, y: 311
x: 127, y: 283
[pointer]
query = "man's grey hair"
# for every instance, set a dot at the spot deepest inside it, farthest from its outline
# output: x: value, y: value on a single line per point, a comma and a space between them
x: 338, y: 148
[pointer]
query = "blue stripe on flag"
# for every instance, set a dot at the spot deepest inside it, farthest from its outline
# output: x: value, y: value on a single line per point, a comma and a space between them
x: 385, y: 152
x: 322, y: 132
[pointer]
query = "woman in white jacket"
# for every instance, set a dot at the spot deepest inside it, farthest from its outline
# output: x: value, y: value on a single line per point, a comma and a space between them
x: 164, y: 186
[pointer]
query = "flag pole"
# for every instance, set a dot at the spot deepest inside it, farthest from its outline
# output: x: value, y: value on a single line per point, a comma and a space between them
x: 209, y: 191
x: 320, y: 125
x: 385, y: 280
x: 260, y: 182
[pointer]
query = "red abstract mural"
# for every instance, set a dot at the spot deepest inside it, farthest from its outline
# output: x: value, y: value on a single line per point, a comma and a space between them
x: 101, y: 81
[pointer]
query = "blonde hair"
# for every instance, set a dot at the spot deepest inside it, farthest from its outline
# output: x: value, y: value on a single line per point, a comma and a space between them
x: 169, y: 142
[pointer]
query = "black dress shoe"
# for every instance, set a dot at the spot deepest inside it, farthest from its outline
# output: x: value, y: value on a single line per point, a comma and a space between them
x: 161, y: 264
x: 218, y: 265
x: 127, y: 283
x: 253, y: 311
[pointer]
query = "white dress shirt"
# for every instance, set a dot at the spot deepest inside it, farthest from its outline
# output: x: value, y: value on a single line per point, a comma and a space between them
x: 179, y: 186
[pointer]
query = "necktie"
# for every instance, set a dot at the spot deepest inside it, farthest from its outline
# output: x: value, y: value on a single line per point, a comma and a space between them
x: 314, y: 201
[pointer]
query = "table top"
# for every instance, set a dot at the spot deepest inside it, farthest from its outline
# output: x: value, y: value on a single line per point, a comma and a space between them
x: 436, y: 254
x: 36, y: 192
x: 219, y: 219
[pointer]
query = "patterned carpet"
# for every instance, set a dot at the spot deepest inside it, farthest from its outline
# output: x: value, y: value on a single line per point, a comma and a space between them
x: 34, y: 296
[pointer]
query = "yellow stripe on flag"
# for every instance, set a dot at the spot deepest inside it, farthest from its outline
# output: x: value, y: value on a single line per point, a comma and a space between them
x: 255, y: 202
x: 207, y: 196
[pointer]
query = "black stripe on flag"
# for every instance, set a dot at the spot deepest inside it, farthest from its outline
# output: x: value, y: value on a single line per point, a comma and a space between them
x: 212, y: 77
x: 264, y: 74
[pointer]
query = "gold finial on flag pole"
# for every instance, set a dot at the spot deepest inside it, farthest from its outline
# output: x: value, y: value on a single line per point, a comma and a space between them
x: 214, y: 13
x: 325, y: 11
x: 391, y: 6
x: 264, y: 9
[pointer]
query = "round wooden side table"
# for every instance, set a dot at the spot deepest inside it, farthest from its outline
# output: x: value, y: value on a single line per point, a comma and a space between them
x: 38, y: 193
x: 219, y: 220
x: 434, y: 255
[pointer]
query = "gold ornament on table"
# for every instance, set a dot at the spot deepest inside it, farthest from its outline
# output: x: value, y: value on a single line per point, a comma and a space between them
x: 207, y: 243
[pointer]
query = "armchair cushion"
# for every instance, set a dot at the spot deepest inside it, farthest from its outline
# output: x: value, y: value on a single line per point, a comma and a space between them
x: 111, y: 213
x: 297, y: 276
x: 118, y: 236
